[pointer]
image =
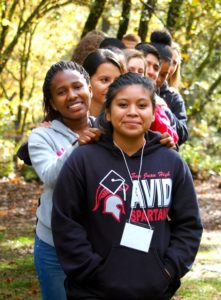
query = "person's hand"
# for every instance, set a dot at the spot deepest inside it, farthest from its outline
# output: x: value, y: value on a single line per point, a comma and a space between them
x: 167, y: 140
x: 89, y: 136
x: 44, y: 124
x: 161, y: 102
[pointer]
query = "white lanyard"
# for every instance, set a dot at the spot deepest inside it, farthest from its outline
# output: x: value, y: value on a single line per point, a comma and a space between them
x: 128, y: 170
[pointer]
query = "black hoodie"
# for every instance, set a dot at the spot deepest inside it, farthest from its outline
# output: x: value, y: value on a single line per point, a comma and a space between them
x: 92, y: 202
x: 176, y: 104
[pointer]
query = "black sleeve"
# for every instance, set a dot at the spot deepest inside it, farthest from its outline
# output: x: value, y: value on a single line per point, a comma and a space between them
x: 74, y: 250
x: 185, y: 224
x: 23, y: 154
x: 178, y: 110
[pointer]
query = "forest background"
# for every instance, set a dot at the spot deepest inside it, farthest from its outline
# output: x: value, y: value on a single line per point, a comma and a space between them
x: 36, y: 33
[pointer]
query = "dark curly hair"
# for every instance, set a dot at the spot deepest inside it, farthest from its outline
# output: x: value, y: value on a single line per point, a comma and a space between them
x: 49, y: 112
x: 121, y: 82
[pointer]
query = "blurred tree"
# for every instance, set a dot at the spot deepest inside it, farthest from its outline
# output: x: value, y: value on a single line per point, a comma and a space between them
x: 173, y: 15
x: 124, y: 19
x: 146, y: 14
x: 40, y: 45
x: 96, y: 10
x: 28, y: 13
x: 36, y: 33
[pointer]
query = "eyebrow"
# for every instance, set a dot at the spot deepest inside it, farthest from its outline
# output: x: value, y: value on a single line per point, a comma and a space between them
x: 65, y: 85
x: 126, y: 99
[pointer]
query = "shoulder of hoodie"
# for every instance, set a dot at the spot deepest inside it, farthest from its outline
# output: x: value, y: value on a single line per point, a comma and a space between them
x: 171, y: 91
x: 93, y: 150
x: 57, y: 127
x: 166, y: 153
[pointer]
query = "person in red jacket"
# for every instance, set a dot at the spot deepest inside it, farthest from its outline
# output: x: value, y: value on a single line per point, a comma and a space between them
x: 163, y: 116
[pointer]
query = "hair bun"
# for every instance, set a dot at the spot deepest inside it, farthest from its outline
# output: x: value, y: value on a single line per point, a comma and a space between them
x: 161, y: 37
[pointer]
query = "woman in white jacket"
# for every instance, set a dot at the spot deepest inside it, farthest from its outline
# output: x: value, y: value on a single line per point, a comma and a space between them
x: 66, y: 101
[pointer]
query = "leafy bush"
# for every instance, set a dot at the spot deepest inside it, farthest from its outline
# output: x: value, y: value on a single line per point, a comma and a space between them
x: 6, y: 162
x: 28, y: 173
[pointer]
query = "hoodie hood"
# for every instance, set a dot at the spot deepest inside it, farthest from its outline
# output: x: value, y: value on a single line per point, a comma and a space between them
x: 152, y: 143
x: 58, y: 126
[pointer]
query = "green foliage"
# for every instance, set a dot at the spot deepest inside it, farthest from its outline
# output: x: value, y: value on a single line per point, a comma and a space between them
x: 202, y: 150
x: 51, y: 36
x: 6, y: 163
x: 44, y: 42
x: 28, y: 173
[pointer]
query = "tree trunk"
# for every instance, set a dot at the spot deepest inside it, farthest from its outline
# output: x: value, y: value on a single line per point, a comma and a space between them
x: 173, y: 15
x: 94, y: 15
x: 125, y: 18
x: 146, y: 14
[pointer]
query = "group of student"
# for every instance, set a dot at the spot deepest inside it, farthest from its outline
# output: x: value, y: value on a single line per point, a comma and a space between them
x: 118, y: 217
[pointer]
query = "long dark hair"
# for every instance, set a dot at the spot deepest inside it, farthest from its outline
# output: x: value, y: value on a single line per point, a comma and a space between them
x: 49, y: 112
x: 121, y: 82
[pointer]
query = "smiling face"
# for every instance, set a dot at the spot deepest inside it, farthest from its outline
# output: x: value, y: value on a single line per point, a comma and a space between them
x: 131, y: 114
x: 163, y: 74
x: 106, y: 73
x: 153, y: 66
x: 70, y: 95
x: 136, y: 65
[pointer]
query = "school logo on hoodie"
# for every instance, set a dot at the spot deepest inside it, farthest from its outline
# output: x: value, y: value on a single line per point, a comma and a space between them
x: 150, y: 194
x: 107, y: 191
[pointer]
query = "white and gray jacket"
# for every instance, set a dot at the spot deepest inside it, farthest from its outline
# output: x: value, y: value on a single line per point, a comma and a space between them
x: 48, y: 149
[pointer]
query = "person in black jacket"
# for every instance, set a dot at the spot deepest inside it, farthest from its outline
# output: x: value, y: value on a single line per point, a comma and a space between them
x: 125, y: 218
x: 162, y: 41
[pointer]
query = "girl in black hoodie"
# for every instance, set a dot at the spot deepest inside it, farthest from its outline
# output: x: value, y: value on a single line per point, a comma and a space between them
x: 125, y: 218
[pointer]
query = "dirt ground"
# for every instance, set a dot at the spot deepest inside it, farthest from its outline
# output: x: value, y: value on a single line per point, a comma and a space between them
x: 209, y: 196
x: 19, y: 199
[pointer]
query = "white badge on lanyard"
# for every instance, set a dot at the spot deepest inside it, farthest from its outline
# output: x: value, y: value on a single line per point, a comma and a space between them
x: 136, y: 237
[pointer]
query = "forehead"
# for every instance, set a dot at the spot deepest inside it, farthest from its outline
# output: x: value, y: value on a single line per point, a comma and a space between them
x: 67, y: 76
x: 107, y: 68
x: 136, y: 61
x: 150, y: 58
x: 135, y: 91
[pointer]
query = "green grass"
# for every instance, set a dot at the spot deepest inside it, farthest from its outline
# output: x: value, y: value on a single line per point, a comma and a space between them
x: 200, y: 289
x: 18, y: 278
x: 203, y: 282
x: 17, y: 275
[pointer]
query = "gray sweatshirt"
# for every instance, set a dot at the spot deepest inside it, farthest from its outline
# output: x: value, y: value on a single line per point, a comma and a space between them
x: 48, y: 149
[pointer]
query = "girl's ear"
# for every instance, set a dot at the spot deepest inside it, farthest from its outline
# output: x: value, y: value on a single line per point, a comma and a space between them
x: 107, y: 115
x: 153, y: 118
x: 52, y: 104
x: 90, y: 90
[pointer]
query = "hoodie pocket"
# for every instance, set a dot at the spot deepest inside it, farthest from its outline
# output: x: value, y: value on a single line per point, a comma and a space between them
x: 131, y: 274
